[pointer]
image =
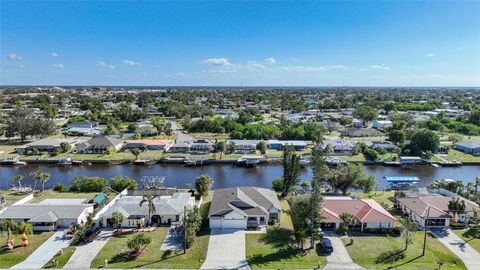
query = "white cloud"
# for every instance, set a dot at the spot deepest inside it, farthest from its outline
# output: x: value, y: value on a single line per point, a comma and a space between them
x: 58, y: 66
x: 54, y: 54
x: 14, y: 57
x: 217, y: 62
x: 104, y: 65
x: 270, y: 61
x: 430, y: 54
x: 253, y: 64
x: 127, y: 62
x: 382, y: 67
x: 314, y: 68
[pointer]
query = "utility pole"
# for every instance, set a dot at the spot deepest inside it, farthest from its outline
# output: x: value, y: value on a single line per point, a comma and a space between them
x: 426, y: 229
x: 185, y: 229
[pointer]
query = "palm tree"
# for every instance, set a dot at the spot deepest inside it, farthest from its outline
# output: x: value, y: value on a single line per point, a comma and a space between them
x: 151, y: 206
x: 318, y: 137
x: 348, y: 220
x: 136, y: 152
x: 138, y: 243
x: 477, y: 184
x: 10, y: 227
x: 117, y: 219
x: 43, y: 177
x: 17, y: 178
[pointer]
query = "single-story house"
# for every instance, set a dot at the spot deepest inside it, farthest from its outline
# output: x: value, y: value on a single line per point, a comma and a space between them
x: 244, y: 146
x: 361, y: 132
x: 45, y: 145
x: 340, y: 147
x: 83, y: 124
x: 168, y: 209
x: 242, y: 207
x: 382, y: 124
x: 385, y: 145
x: 368, y: 213
x: 149, y: 144
x: 81, y: 131
x: 436, y: 206
x: 472, y: 147
x: 201, y: 147
x: 179, y: 147
x: 49, y: 216
x: 278, y: 145
x: 99, y: 145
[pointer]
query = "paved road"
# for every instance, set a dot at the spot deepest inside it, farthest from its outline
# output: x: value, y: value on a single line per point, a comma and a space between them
x: 226, y: 250
x: 339, y: 258
x: 469, y: 256
x: 181, y: 135
x: 44, y: 253
x: 84, y: 254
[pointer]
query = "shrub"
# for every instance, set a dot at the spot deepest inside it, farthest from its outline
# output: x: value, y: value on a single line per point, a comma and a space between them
x: 277, y: 184
x: 119, y: 183
x: 60, y: 187
x: 88, y: 184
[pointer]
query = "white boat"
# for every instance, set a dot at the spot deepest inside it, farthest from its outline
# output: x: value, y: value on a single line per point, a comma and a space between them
x: 249, y: 161
x: 12, y: 162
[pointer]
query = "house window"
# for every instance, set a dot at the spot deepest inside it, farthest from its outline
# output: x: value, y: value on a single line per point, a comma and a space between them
x: 262, y: 219
x: 380, y: 224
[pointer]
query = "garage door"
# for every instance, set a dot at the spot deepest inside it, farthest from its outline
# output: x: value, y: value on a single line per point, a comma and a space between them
x: 215, y: 223
x: 233, y: 224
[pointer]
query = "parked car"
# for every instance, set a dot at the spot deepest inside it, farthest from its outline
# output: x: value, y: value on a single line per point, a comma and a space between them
x: 328, y: 245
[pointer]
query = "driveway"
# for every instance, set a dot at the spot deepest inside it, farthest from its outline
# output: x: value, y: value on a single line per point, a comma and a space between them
x: 226, y: 250
x: 339, y: 258
x: 44, y: 253
x: 84, y: 254
x: 469, y: 256
x: 173, y: 240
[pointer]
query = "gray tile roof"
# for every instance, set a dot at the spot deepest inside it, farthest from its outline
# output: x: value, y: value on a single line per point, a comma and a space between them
x: 246, y: 200
x: 103, y: 141
x: 470, y: 145
x: 29, y: 211
x: 46, y: 217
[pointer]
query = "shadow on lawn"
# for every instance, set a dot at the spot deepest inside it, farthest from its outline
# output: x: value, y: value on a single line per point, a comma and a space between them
x: 279, y: 238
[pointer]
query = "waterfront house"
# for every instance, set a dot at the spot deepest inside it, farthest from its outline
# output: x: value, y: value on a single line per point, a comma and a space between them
x: 368, y: 213
x: 179, y: 147
x: 472, y: 147
x: 436, y: 208
x: 244, y: 146
x: 45, y: 145
x: 169, y: 208
x: 278, y: 145
x: 242, y: 207
x: 340, y: 147
x: 201, y: 147
x: 149, y: 144
x: 379, y: 145
x: 99, y: 145
x: 50, y: 215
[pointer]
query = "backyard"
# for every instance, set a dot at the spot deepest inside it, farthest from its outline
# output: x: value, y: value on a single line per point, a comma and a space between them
x: 11, y: 197
x: 376, y: 252
x: 49, y: 194
x: 381, y: 197
x: 9, y: 258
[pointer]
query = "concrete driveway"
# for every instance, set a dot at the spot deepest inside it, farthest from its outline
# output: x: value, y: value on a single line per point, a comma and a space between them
x: 339, y: 258
x: 469, y: 256
x: 226, y: 250
x: 84, y: 254
x: 44, y: 253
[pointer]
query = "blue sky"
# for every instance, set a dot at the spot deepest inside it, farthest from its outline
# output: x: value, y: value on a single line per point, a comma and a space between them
x: 386, y: 43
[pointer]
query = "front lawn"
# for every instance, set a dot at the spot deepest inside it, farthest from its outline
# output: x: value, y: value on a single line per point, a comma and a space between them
x: 469, y: 238
x: 275, y: 250
x: 381, y: 197
x: 116, y: 252
x: 374, y: 252
x: 62, y: 258
x: 9, y: 258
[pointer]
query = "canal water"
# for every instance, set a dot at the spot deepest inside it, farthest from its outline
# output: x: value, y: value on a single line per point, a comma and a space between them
x: 223, y: 175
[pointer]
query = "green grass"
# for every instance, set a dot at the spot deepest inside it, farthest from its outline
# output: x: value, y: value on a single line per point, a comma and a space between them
x: 204, y: 208
x: 116, y: 252
x: 460, y: 156
x: 49, y: 194
x: 285, y: 219
x: 366, y: 250
x: 62, y: 259
x: 468, y: 237
x: 381, y: 197
x: 274, y: 250
x: 9, y: 258
x: 358, y: 157
x: 210, y: 136
x: 11, y: 197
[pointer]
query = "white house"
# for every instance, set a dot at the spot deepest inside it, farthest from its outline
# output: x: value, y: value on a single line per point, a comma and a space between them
x: 242, y: 207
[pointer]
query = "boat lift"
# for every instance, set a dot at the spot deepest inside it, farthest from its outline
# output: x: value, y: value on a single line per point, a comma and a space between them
x: 401, y: 182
